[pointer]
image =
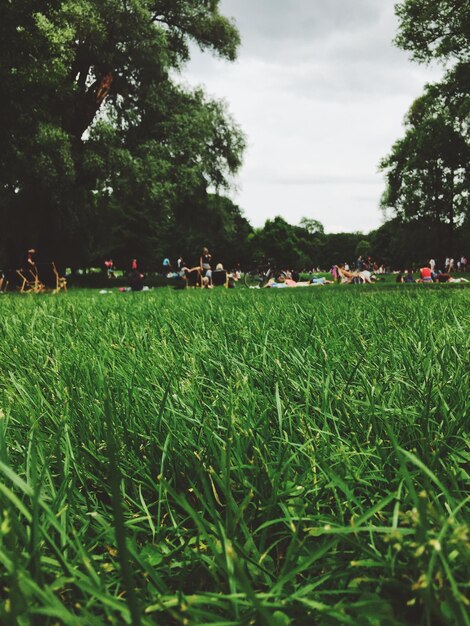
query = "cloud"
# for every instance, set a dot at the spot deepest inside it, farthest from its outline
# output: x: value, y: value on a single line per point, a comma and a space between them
x: 320, y: 92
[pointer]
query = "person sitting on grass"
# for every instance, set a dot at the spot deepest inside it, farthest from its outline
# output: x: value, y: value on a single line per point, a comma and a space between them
x: 425, y: 275
x: 220, y: 277
x: 136, y: 280
x: 409, y: 278
x: 189, y: 277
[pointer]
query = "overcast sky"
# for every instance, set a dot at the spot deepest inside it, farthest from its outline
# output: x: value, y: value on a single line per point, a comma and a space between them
x: 320, y: 92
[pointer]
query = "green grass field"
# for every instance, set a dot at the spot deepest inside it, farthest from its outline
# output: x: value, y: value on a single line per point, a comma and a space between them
x: 235, y: 457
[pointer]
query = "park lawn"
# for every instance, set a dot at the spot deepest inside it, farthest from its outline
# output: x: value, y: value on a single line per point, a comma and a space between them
x: 235, y: 457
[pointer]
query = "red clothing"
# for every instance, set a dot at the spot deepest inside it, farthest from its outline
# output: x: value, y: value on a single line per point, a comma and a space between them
x: 425, y: 272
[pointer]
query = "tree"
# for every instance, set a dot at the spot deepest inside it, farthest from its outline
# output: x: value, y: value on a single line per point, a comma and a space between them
x: 210, y: 220
x: 100, y: 137
x: 363, y: 248
x: 340, y: 248
x: 312, y: 226
x: 278, y: 244
x: 434, y: 29
x: 427, y: 170
x: 400, y: 245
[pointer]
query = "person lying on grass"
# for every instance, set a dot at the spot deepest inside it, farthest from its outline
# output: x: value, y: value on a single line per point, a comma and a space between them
x: 442, y: 277
x: 281, y: 281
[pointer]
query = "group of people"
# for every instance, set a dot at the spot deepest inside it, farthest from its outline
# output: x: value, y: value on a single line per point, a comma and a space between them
x: 185, y: 275
x: 289, y: 279
x: 450, y: 266
x: 429, y: 273
x: 202, y: 274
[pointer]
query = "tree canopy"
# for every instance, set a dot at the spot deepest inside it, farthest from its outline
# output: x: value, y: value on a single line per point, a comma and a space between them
x: 427, y: 171
x: 434, y: 29
x: 101, y: 140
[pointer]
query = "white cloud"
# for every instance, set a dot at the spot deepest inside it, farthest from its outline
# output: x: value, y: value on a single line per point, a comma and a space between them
x: 320, y: 92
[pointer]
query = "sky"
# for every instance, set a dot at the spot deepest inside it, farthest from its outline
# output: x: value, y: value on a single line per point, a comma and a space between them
x: 320, y: 92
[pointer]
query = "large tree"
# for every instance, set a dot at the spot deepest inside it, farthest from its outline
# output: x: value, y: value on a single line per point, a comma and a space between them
x: 427, y: 171
x: 97, y: 135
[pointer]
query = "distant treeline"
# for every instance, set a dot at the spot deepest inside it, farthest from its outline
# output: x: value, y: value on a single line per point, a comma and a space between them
x: 216, y: 222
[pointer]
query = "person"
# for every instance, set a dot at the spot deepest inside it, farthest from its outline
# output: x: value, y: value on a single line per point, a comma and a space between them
x: 367, y: 277
x: 442, y: 277
x: 136, y: 280
x: 205, y: 265
x: 399, y: 278
x: 451, y: 265
x: 280, y: 281
x: 425, y: 274
x: 276, y: 282
x: 31, y: 260
x: 320, y: 280
x: 463, y: 263
x: 109, y: 267
x: 220, y: 276
x: 134, y: 265
x: 409, y: 278
x: 345, y: 276
x: 447, y: 278
x: 166, y: 266
x: 432, y: 265
x: 457, y: 280
x: 364, y: 276
x: 180, y: 264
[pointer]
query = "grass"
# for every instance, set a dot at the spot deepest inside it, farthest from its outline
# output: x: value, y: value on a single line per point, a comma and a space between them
x: 235, y: 457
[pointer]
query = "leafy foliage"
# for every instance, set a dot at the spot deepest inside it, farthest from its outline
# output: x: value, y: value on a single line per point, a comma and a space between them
x: 99, y: 132
x: 427, y: 171
x: 435, y: 29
